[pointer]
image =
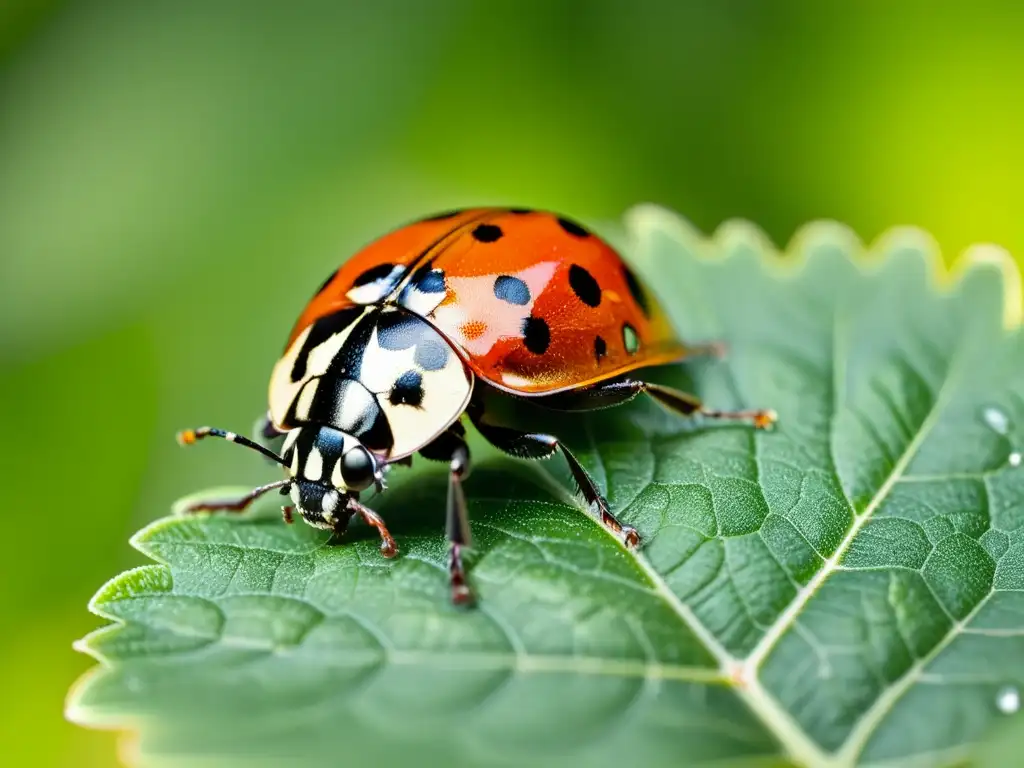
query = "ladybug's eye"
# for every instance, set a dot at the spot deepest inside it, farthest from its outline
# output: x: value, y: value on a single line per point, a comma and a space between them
x: 357, y: 468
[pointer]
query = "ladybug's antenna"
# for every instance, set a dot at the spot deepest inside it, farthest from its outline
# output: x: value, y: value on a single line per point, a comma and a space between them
x: 189, y: 436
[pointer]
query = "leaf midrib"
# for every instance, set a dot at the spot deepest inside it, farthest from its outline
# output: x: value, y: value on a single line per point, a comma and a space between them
x: 743, y: 672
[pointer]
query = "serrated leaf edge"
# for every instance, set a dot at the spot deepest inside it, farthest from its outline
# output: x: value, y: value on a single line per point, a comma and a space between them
x: 787, y: 263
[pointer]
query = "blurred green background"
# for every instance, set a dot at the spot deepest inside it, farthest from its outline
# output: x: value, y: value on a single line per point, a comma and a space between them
x: 177, y: 177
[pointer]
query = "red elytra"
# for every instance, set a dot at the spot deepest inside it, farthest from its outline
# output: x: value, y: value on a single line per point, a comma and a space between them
x: 600, y: 320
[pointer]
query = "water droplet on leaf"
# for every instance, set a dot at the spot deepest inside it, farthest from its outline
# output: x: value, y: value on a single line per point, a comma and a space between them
x: 1008, y: 700
x: 997, y: 420
x: 1015, y: 459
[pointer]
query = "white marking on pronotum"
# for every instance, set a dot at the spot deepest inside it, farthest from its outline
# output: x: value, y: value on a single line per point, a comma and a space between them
x: 445, y: 392
x: 282, y: 389
x: 354, y: 406
x: 314, y: 464
x: 289, y: 441
x: 382, y: 367
x: 305, y: 400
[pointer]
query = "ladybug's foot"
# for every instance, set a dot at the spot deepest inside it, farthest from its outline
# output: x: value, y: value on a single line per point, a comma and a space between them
x: 627, y: 534
x: 457, y: 518
x: 601, y: 510
x: 760, y: 419
x: 388, y: 548
x: 461, y: 593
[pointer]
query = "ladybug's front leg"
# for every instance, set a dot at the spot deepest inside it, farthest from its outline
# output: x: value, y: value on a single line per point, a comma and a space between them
x: 371, y: 518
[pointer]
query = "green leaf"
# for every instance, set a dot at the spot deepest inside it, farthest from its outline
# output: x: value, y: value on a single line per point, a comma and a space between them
x: 844, y: 590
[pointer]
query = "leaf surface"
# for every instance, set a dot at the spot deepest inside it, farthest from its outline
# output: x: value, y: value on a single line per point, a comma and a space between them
x: 844, y: 590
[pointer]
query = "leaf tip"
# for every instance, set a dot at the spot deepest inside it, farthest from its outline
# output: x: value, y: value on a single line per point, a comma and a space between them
x: 145, y: 579
x: 91, y: 644
x: 140, y: 540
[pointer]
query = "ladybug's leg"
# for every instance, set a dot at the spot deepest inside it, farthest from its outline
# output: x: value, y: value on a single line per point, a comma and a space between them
x: 387, y: 543
x: 237, y: 504
x: 451, y: 446
x: 535, y: 445
x: 457, y: 525
x: 686, y: 404
x: 618, y: 392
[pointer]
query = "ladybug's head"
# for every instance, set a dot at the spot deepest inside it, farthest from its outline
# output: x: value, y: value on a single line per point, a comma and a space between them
x: 328, y: 467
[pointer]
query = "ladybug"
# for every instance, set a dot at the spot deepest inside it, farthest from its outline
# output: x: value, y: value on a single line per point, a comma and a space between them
x: 439, y: 320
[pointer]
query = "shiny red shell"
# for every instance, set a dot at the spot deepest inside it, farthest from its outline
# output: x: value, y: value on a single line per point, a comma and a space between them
x: 532, y: 302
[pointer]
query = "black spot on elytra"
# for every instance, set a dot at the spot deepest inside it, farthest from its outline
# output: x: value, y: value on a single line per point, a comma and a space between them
x: 511, y: 289
x: 636, y: 290
x: 536, y: 335
x: 572, y: 227
x: 520, y: 211
x: 407, y: 390
x: 584, y: 286
x: 487, y: 233
x: 431, y: 354
x: 373, y: 274
x: 322, y: 330
x: 444, y: 215
x: 429, y: 280
x: 600, y: 348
